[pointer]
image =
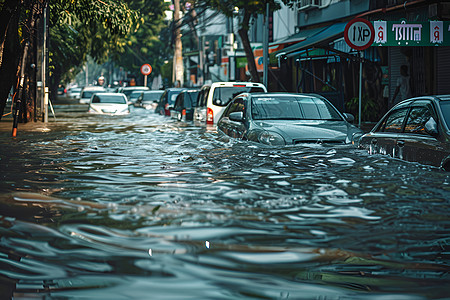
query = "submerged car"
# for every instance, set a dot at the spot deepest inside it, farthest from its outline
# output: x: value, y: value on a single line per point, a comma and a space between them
x: 89, y: 91
x: 416, y: 130
x: 183, y: 110
x: 149, y: 99
x: 167, y: 100
x: 127, y: 90
x: 215, y: 97
x: 286, y: 119
x: 109, y: 104
x: 74, y: 93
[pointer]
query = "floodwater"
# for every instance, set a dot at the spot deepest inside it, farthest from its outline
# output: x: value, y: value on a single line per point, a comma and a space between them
x: 144, y: 207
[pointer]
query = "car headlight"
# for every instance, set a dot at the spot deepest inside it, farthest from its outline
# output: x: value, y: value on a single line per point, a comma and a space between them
x: 271, y: 138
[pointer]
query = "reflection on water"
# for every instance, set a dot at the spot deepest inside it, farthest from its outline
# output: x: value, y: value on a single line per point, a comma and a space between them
x: 140, y: 207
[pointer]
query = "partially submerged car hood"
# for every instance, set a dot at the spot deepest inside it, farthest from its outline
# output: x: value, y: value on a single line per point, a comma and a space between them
x: 311, y: 131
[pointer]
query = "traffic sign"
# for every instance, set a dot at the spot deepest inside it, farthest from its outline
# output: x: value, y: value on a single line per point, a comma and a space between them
x: 146, y: 69
x: 359, y: 34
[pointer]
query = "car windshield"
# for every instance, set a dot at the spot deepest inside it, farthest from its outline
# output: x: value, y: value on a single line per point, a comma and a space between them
x: 88, y: 94
x: 190, y: 98
x: 152, y: 96
x: 445, y: 107
x: 115, y: 99
x: 292, y: 108
x: 223, y: 95
x: 128, y: 92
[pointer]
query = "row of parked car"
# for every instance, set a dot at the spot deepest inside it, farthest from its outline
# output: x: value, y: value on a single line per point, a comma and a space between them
x: 415, y: 130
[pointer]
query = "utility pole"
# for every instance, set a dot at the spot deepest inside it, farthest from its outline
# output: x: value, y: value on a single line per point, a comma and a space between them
x: 178, y: 70
x: 45, y: 66
x: 266, y: 47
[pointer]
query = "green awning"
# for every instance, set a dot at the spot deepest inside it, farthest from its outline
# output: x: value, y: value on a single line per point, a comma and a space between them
x: 324, y: 36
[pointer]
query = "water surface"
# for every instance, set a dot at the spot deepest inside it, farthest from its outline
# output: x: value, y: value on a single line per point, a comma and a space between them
x: 144, y: 207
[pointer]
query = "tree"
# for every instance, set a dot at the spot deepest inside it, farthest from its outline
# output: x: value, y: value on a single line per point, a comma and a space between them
x: 247, y: 10
x: 17, y: 20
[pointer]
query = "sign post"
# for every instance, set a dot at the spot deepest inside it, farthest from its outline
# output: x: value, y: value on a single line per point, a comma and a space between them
x: 146, y: 70
x: 359, y: 35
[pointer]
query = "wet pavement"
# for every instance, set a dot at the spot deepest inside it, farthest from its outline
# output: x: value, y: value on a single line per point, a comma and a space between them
x: 144, y: 207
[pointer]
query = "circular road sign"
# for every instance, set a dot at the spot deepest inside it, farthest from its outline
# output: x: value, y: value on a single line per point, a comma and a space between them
x: 146, y: 69
x: 359, y: 34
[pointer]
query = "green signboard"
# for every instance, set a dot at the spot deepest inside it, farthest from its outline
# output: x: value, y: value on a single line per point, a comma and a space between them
x: 241, y: 62
x: 404, y: 33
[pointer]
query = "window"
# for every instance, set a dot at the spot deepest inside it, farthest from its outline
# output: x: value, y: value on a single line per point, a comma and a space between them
x: 293, y: 108
x: 203, y: 96
x: 445, y: 107
x: 224, y: 94
x: 394, y: 121
x: 417, y: 118
x: 236, y: 106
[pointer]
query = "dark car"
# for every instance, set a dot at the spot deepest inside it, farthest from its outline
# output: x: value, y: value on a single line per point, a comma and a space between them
x: 149, y: 99
x: 183, y: 110
x: 416, y: 130
x: 167, y: 101
x: 286, y: 119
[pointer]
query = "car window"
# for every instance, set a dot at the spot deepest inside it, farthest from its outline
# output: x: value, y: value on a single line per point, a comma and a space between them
x: 191, y: 99
x: 115, y: 99
x: 203, y: 96
x: 292, y: 108
x: 179, y: 101
x: 394, y: 121
x: 151, y: 96
x: 223, y: 94
x: 88, y: 94
x: 417, y: 118
x: 445, y: 107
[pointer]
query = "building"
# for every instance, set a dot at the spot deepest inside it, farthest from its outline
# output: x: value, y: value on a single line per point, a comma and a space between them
x: 322, y: 62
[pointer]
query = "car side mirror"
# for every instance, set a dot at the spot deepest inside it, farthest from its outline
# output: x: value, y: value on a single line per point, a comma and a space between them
x: 237, y: 116
x: 431, y: 127
x: 349, y: 117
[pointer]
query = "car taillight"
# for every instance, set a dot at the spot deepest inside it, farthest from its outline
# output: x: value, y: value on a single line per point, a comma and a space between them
x: 166, y: 107
x: 183, y: 112
x: 209, y: 116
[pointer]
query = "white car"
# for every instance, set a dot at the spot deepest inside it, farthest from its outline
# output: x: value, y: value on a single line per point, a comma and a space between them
x: 109, y: 104
x: 219, y: 94
x: 74, y: 93
x: 89, y: 91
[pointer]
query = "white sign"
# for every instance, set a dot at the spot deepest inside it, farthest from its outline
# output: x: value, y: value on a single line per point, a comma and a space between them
x: 380, y: 31
x: 359, y: 34
x: 436, y: 32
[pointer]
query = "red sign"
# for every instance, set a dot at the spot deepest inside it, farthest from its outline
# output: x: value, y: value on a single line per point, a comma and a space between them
x: 359, y: 34
x: 146, y: 69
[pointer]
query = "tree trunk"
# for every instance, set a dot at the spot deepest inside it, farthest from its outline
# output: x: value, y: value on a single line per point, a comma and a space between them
x: 243, y: 33
x: 9, y: 52
x: 178, y: 56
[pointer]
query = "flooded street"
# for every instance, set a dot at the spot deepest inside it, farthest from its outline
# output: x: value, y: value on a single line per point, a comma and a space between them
x: 144, y: 207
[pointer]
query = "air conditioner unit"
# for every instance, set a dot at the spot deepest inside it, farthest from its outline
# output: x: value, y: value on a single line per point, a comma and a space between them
x: 308, y: 4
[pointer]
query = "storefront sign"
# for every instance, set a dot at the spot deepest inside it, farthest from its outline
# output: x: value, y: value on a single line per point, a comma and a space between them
x: 403, y: 33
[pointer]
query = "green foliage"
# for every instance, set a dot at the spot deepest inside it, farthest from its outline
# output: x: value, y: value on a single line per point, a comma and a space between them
x: 125, y: 32
x: 368, y: 107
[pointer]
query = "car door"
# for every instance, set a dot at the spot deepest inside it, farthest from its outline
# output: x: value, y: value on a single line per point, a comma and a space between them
x: 417, y: 142
x: 230, y: 126
x: 383, y: 140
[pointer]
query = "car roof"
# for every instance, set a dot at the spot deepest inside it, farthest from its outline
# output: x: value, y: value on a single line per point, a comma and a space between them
x: 236, y: 83
x: 135, y: 87
x: 443, y: 97
x: 93, y: 88
x: 111, y: 94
